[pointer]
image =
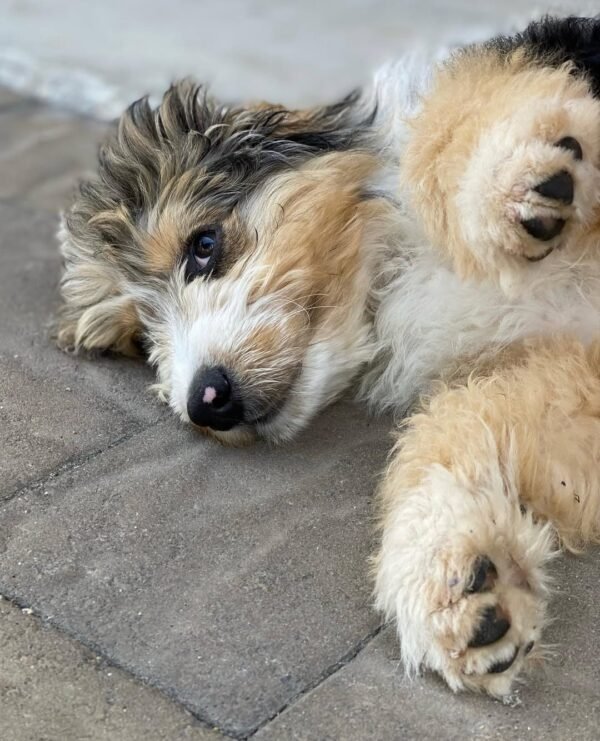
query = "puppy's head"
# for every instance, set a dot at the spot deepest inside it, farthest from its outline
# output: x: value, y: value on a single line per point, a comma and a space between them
x: 236, y: 245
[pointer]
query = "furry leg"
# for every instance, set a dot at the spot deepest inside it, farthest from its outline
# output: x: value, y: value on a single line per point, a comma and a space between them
x: 472, y: 505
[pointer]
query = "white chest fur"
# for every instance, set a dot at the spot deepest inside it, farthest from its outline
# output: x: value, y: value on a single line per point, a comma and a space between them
x: 428, y: 317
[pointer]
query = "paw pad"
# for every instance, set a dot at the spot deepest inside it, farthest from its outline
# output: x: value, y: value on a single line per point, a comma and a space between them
x: 559, y: 187
x: 543, y: 228
x: 502, y: 666
x: 549, y: 217
x: 493, y: 626
x: 570, y: 143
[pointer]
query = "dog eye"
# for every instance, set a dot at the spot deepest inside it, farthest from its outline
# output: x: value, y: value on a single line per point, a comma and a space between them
x: 202, y: 254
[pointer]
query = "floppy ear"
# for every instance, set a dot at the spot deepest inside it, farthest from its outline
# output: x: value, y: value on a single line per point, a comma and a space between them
x: 97, y: 313
x: 99, y: 235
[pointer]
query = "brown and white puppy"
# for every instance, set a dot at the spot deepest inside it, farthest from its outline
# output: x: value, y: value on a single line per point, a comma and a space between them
x: 237, y: 245
x: 263, y: 257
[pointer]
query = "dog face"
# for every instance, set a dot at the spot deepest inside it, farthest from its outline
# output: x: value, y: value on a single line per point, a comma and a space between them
x: 238, y: 246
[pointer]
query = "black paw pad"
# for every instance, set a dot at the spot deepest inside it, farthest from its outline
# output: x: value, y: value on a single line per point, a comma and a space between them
x: 572, y: 145
x: 483, y: 577
x: 502, y: 666
x: 493, y: 626
x: 559, y: 187
x: 543, y: 228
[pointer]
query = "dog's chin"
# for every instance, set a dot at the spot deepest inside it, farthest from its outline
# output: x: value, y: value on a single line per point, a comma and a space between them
x: 273, y: 427
x: 265, y: 428
x: 268, y: 428
x: 238, y: 437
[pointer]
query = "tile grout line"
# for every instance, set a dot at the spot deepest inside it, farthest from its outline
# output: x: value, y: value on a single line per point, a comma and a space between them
x: 330, y: 671
x: 24, y: 607
x: 204, y: 720
x: 74, y: 462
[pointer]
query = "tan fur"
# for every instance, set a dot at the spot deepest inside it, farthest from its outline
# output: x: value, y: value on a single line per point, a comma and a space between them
x: 526, y: 435
x: 485, y: 137
x: 502, y: 463
x: 305, y: 229
x: 546, y: 404
x: 159, y: 183
x: 293, y: 279
x: 311, y: 224
x: 97, y: 315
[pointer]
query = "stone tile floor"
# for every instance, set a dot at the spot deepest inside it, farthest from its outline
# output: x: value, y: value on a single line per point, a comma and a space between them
x: 157, y: 586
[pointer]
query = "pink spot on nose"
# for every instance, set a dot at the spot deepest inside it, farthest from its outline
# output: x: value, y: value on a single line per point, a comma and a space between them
x: 210, y: 394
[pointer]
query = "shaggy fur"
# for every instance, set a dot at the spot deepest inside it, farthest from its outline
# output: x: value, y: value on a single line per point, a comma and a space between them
x: 498, y: 471
x: 285, y: 309
x: 422, y: 230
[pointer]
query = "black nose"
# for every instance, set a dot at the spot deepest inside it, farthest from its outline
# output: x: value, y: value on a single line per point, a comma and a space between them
x: 213, y: 401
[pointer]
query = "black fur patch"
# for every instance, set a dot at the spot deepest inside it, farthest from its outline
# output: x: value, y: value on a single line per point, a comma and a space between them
x: 192, y: 130
x: 230, y: 151
x: 554, y: 41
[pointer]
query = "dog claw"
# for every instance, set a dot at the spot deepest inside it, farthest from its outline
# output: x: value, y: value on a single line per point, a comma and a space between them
x: 492, y: 627
x: 543, y: 228
x: 559, y: 187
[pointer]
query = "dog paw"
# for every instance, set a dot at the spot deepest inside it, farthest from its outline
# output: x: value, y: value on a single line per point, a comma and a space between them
x: 533, y: 182
x: 544, y: 208
x: 486, y: 621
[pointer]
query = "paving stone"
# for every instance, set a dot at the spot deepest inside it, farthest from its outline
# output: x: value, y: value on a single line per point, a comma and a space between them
x: 370, y: 698
x: 53, y: 406
x: 43, y: 153
x: 52, y: 688
x: 43, y: 424
x: 231, y: 578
